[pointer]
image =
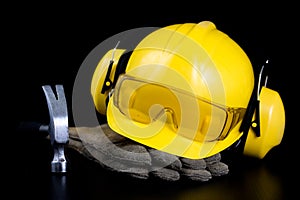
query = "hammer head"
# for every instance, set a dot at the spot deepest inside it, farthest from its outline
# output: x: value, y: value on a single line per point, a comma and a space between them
x: 58, y: 126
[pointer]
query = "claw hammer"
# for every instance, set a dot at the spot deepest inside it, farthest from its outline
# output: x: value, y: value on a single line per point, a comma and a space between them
x: 58, y: 126
x: 57, y: 129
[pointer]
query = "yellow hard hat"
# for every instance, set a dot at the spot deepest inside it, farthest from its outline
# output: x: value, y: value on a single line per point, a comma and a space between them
x: 185, y: 89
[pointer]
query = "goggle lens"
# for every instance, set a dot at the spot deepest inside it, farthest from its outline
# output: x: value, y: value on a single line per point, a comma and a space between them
x: 195, y: 118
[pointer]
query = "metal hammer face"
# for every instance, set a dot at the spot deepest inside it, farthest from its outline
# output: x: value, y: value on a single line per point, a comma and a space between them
x: 58, y: 126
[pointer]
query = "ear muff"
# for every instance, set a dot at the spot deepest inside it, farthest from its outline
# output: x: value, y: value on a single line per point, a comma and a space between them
x: 264, y: 121
x: 272, y: 123
x: 112, y: 64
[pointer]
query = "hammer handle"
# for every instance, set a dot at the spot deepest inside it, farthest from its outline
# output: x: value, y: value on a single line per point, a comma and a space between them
x: 34, y: 127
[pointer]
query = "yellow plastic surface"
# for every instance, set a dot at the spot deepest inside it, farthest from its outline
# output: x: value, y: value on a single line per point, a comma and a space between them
x: 272, y: 124
x: 99, y: 77
x: 196, y: 58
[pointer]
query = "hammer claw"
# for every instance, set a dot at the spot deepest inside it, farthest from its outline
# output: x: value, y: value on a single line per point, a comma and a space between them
x: 57, y: 105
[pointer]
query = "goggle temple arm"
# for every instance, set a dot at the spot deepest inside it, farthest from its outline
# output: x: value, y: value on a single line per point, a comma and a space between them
x: 256, y: 123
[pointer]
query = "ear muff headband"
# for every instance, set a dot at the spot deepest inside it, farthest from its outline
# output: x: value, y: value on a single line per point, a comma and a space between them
x: 252, y: 108
x: 121, y: 66
x: 120, y: 69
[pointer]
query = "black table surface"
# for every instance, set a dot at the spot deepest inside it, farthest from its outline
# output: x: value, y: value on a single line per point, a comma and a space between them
x: 28, y: 176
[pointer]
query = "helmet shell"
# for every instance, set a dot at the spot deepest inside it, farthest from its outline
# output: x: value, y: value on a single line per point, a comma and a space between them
x: 207, y: 60
x: 198, y: 59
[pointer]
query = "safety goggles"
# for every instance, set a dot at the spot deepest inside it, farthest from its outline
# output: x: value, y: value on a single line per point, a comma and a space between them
x: 145, y: 102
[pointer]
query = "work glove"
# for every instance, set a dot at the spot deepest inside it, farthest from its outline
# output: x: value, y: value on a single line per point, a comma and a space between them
x: 122, y: 155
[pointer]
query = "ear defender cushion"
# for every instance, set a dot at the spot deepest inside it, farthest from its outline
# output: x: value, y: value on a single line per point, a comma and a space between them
x: 98, y: 80
x: 272, y: 124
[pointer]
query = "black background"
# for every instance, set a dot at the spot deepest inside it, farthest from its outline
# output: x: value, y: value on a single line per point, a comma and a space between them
x: 47, y: 43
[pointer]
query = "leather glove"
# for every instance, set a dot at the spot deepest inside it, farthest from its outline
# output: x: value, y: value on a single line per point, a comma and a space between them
x: 122, y: 155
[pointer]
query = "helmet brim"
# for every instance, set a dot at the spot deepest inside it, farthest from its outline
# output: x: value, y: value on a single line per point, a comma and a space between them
x: 165, y: 139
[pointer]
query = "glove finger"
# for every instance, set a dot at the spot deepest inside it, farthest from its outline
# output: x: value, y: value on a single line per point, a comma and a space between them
x: 195, y: 175
x: 112, y: 135
x: 218, y: 169
x: 98, y: 142
x: 162, y: 159
x: 73, y: 134
x: 165, y: 174
x: 111, y: 163
x: 136, y: 172
x: 193, y: 163
x: 215, y: 166
x: 139, y: 173
x: 78, y: 147
x: 213, y: 159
